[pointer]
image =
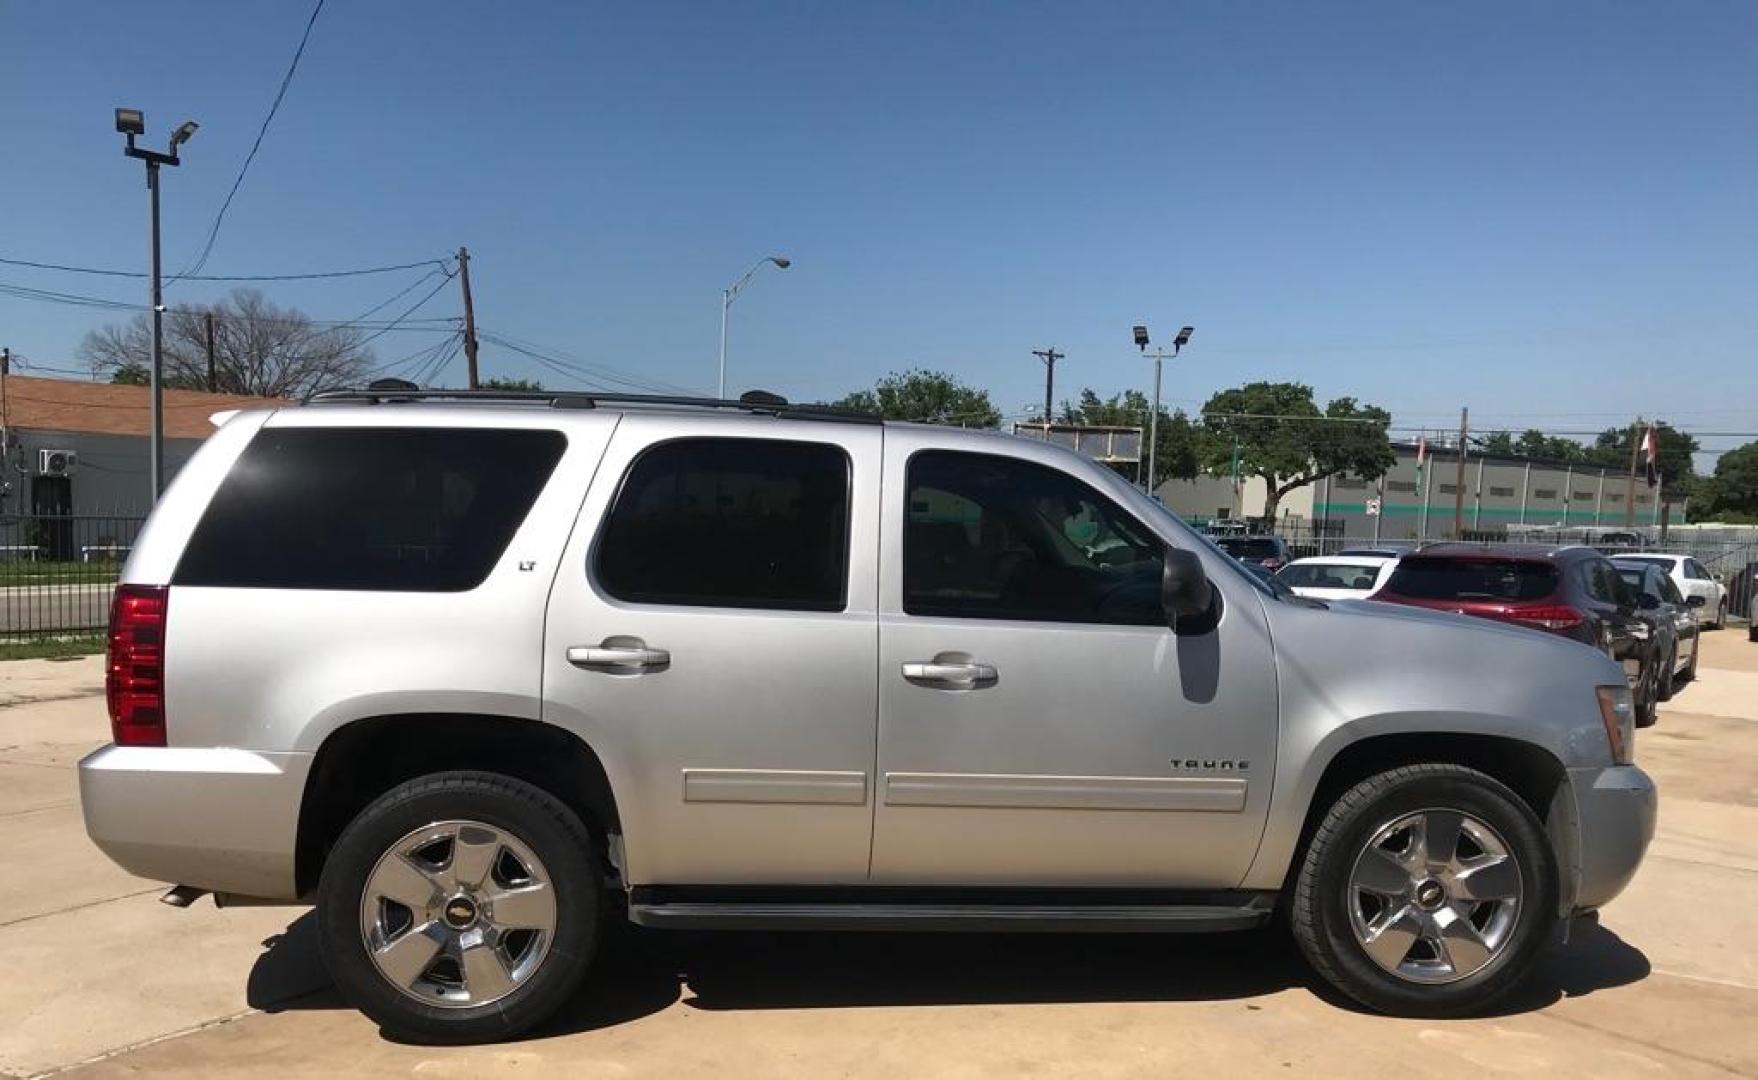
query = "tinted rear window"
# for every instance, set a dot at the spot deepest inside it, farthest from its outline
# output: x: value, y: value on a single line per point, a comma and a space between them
x: 1241, y: 547
x: 1332, y: 576
x: 385, y: 509
x: 1472, y: 579
x: 749, y: 523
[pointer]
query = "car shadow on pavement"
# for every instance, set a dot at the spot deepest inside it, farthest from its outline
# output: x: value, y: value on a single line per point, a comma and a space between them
x: 641, y: 972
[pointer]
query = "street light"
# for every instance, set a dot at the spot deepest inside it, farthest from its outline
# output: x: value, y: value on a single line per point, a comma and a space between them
x: 730, y: 293
x: 1141, y: 342
x: 132, y: 122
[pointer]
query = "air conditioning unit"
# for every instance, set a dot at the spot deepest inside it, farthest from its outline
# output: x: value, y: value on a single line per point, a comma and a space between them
x: 57, y: 462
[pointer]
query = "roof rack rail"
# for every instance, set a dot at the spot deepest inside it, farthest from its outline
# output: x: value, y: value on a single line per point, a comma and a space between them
x: 759, y: 402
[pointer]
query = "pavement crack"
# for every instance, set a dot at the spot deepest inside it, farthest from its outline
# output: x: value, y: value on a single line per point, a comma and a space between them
x: 1618, y: 1035
x: 81, y: 907
x: 142, y: 1044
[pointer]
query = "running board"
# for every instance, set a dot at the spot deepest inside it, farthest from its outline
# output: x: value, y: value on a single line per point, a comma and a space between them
x: 1060, y: 919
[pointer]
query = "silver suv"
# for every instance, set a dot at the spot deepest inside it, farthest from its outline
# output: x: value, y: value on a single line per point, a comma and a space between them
x: 476, y: 673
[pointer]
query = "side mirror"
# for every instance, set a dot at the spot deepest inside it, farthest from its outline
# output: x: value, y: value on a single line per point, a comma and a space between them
x: 1185, y: 591
x: 1696, y: 601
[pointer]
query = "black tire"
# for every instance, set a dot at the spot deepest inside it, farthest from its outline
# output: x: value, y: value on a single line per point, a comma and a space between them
x: 1647, y: 690
x: 1320, y: 913
x: 530, y: 815
x: 1690, y: 672
x: 1721, y: 615
x: 1665, y: 691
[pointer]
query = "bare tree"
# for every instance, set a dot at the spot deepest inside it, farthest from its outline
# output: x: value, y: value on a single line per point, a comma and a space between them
x: 259, y: 349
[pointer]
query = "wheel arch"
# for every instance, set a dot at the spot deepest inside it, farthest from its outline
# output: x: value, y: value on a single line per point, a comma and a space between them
x: 1527, y: 768
x: 363, y: 759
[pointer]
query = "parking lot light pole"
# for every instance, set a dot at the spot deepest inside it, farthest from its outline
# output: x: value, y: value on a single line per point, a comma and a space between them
x: 132, y: 122
x: 1141, y: 342
x: 731, y: 293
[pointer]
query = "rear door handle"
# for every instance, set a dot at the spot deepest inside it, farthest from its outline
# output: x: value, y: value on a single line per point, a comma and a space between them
x: 619, y: 656
x: 950, y: 671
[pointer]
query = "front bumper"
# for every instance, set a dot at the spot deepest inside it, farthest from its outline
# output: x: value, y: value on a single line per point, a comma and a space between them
x: 1615, y: 810
x: 218, y: 819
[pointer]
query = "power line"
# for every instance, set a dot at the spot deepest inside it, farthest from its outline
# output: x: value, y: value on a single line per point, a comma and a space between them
x: 79, y: 300
x: 274, y: 107
x: 574, y: 367
x: 410, y: 310
x: 101, y: 272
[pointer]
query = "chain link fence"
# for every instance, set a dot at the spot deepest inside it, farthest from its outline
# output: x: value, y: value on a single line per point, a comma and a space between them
x: 57, y: 573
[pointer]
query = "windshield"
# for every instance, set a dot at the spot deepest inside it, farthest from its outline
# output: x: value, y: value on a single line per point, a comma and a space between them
x: 1249, y: 547
x: 1472, y: 579
x: 1357, y: 576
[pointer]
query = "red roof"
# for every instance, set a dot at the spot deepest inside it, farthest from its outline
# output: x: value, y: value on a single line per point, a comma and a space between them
x: 108, y: 409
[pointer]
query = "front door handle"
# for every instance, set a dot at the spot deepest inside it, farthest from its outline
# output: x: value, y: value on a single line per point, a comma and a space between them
x: 619, y: 656
x: 950, y: 671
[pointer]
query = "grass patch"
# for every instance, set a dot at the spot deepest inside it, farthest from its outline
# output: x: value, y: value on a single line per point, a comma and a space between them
x: 57, y: 573
x: 48, y: 648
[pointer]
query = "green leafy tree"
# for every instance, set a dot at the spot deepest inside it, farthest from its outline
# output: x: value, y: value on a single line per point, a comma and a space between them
x: 1534, y: 443
x: 1732, y: 493
x: 132, y: 375
x: 928, y: 397
x: 501, y: 383
x: 1175, y: 455
x: 1611, y: 450
x: 1279, y: 433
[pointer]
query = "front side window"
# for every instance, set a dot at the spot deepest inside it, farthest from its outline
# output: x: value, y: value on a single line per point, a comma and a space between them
x: 989, y: 537
x: 382, y: 509
x: 740, y: 523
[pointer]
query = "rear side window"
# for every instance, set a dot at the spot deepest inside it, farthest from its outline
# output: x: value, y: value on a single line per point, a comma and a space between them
x: 1472, y: 579
x: 383, y: 509
x: 742, y: 523
x: 1330, y: 576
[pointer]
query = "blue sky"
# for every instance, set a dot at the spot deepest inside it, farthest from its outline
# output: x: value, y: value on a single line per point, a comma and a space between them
x: 1547, y: 212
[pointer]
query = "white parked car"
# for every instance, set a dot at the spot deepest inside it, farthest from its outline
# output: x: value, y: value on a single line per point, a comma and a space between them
x: 1693, y: 580
x: 1337, y: 577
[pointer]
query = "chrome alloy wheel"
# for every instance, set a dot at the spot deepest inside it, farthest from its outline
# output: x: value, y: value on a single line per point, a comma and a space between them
x: 1434, y: 896
x: 458, y: 914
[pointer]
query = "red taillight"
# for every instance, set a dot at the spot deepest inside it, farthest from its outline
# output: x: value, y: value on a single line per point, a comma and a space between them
x: 1546, y: 616
x: 134, y: 681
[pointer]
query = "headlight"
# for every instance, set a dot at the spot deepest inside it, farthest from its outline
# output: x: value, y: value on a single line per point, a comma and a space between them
x: 1618, y: 709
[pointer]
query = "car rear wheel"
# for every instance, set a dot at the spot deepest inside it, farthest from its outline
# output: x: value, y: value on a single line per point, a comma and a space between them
x: 1647, y: 693
x: 1427, y: 890
x: 460, y: 907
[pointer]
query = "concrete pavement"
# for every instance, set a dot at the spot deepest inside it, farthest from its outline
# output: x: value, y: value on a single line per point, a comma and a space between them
x: 106, y: 982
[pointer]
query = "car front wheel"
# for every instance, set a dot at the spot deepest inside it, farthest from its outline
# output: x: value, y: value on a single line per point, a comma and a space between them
x: 460, y: 907
x: 1427, y: 890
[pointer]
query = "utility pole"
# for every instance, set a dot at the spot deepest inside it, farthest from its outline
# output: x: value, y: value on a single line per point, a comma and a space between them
x: 1459, y: 483
x: 5, y: 428
x: 213, y: 383
x: 1049, y: 357
x: 469, y: 314
x: 1630, y: 480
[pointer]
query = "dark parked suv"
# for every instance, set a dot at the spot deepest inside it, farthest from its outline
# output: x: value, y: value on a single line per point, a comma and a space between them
x: 1574, y: 592
x: 1269, y: 552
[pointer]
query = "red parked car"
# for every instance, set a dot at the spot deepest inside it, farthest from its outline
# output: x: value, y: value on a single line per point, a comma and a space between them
x: 1571, y: 591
